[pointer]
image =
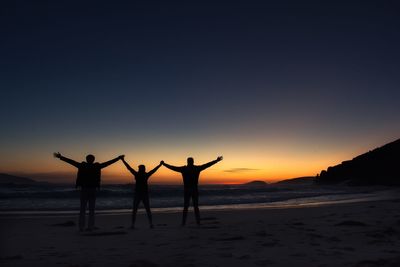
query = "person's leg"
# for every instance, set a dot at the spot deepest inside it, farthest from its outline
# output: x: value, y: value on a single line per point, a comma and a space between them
x: 136, y: 201
x: 82, y: 211
x: 195, y: 196
x: 146, y: 203
x: 92, y: 206
x: 185, y: 206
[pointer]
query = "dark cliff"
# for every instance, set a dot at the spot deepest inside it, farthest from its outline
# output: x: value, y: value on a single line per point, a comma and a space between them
x: 380, y: 166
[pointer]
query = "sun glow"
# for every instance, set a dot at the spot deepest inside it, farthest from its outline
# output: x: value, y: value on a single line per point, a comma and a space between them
x: 244, y: 162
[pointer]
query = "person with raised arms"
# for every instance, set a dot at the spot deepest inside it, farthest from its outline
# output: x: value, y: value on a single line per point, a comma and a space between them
x: 88, y: 180
x: 141, y: 190
x: 190, y: 174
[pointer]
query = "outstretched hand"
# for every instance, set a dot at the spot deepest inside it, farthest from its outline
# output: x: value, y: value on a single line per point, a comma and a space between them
x: 220, y: 158
x: 57, y: 155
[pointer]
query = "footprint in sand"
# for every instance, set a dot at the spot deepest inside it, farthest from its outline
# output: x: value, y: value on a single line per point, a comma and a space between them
x: 264, y: 262
x: 15, y: 257
x: 350, y: 223
x: 225, y: 248
x: 105, y: 233
x: 233, y: 238
x: 334, y: 239
x: 244, y: 257
x: 225, y: 255
x: 209, y: 218
x: 143, y: 263
x: 209, y: 227
x: 163, y: 244
x: 298, y: 255
x: 312, y: 235
x: 65, y: 224
x: 261, y: 234
x: 269, y: 244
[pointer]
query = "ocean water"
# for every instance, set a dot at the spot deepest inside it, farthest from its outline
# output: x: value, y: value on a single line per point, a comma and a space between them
x: 118, y: 198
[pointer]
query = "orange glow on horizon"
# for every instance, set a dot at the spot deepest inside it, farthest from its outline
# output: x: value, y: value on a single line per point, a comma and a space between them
x: 242, y: 162
x: 165, y: 176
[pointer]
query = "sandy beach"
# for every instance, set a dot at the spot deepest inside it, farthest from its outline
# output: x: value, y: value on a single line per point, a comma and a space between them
x: 357, y: 234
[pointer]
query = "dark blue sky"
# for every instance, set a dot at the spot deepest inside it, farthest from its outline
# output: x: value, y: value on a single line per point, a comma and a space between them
x: 202, y: 77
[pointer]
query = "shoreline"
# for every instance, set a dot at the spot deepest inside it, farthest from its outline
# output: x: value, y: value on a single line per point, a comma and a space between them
x: 56, y: 200
x: 218, y: 208
x: 286, y: 204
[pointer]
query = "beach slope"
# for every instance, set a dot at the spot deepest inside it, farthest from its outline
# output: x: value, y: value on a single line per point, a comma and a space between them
x: 353, y: 234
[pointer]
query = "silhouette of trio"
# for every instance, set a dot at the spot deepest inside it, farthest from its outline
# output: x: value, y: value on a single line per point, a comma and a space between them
x: 89, y: 176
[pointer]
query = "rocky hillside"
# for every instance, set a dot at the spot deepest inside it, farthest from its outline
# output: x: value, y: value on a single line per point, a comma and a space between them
x: 380, y: 166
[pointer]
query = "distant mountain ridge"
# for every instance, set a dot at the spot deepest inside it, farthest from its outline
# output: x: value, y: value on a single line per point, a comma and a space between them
x: 256, y: 183
x: 11, y: 179
x: 380, y: 166
x: 298, y: 180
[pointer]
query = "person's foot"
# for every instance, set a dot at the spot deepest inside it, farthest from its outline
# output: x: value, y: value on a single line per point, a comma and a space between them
x: 91, y: 228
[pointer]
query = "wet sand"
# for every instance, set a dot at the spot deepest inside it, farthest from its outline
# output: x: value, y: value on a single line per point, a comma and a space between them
x: 352, y: 234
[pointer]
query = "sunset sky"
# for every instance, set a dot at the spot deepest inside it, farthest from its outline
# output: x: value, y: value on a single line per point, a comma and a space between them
x: 281, y: 89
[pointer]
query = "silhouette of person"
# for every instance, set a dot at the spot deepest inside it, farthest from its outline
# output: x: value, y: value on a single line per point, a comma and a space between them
x: 190, y: 174
x: 141, y: 190
x: 88, y: 180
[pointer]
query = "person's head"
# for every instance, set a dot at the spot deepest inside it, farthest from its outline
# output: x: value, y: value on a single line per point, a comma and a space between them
x: 90, y: 158
x: 142, y: 168
x: 190, y: 161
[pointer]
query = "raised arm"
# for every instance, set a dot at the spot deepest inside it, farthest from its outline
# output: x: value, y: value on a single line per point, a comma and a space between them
x: 67, y: 160
x: 205, y: 166
x: 150, y: 173
x: 108, y: 163
x: 173, y: 168
x: 129, y: 167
